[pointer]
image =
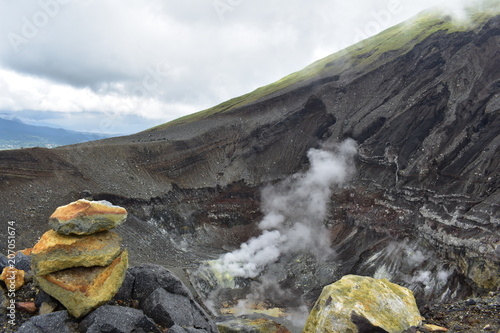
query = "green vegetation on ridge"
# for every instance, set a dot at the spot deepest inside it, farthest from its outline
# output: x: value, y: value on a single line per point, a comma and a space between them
x: 365, y: 55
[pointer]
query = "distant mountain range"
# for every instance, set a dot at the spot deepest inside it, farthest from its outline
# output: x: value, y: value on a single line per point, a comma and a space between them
x: 15, y: 134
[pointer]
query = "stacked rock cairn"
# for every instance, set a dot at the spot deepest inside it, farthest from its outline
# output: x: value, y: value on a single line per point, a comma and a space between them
x: 80, y: 262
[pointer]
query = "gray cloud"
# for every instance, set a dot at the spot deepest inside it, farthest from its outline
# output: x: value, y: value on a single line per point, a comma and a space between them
x: 191, y: 52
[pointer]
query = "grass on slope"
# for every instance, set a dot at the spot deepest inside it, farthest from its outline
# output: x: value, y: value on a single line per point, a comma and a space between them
x: 366, y: 54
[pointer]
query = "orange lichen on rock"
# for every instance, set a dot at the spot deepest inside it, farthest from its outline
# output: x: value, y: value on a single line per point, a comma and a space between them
x: 55, y: 252
x: 83, y: 289
x: 80, y: 262
x: 85, y: 217
x: 86, y: 208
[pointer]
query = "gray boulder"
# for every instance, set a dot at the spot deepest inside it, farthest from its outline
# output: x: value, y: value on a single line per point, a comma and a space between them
x: 168, y: 309
x: 43, y: 297
x: 59, y: 322
x: 149, y: 277
x: 127, y: 287
x: 22, y: 262
x: 165, y: 299
x: 117, y: 319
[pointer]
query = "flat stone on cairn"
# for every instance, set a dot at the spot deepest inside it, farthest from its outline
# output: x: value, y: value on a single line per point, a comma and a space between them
x: 80, y: 262
x: 85, y: 217
x: 83, y: 289
x: 55, y: 252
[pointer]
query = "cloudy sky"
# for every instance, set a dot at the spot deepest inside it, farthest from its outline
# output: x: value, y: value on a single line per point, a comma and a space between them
x: 121, y: 66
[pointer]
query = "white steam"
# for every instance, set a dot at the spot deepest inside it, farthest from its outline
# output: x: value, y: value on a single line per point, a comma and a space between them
x: 294, y: 211
x: 253, y: 256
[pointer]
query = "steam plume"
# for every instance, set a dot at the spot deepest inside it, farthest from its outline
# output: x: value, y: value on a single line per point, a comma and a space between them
x: 294, y: 211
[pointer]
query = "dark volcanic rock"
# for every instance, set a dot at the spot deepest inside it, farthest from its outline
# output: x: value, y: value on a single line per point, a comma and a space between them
x: 127, y: 287
x: 165, y: 299
x: 150, y: 277
x: 110, y: 318
x: 43, y: 297
x: 22, y: 261
x: 168, y: 309
x: 53, y: 322
x: 4, y: 262
x: 364, y: 326
x: 422, y: 210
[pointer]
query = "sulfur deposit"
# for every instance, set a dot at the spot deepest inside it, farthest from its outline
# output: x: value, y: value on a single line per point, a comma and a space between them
x: 358, y: 303
x: 80, y: 262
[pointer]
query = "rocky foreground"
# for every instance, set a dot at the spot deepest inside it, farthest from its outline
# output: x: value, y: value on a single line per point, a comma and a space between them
x: 75, y: 279
x: 38, y: 312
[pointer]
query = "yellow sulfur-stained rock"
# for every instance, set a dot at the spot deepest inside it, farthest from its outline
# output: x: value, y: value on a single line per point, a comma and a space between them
x: 356, y: 301
x: 85, y: 217
x: 83, y: 289
x: 13, y: 278
x: 55, y: 252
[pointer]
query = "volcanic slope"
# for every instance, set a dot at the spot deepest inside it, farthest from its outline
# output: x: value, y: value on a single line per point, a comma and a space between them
x: 421, y: 99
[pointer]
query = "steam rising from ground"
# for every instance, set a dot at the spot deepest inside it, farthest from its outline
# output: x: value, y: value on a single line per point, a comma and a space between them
x: 294, y: 211
x: 293, y: 225
x: 294, y: 234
